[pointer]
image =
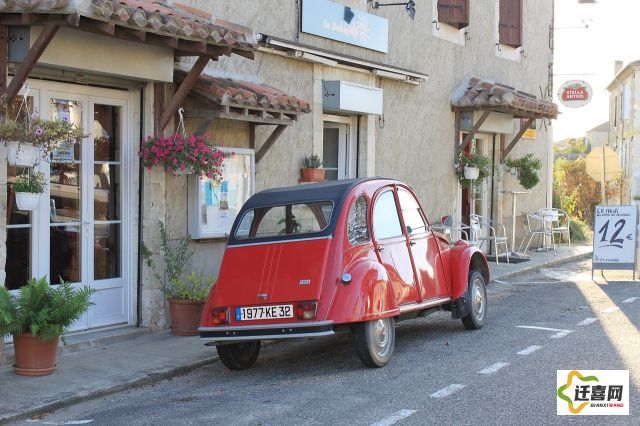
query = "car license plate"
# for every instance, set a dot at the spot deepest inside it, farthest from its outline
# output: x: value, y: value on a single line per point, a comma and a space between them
x: 264, y: 312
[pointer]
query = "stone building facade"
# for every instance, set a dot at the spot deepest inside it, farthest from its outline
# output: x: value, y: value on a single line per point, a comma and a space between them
x: 372, y: 92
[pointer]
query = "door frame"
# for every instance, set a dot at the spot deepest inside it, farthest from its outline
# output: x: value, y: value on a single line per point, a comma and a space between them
x: 351, y: 148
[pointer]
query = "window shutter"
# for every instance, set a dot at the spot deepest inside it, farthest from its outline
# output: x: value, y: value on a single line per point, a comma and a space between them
x: 454, y: 13
x: 510, y: 26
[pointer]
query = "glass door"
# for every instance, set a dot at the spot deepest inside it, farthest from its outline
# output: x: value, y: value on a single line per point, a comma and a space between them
x: 334, y: 151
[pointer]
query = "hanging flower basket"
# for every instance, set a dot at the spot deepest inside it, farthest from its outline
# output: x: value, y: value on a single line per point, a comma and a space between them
x: 23, y: 154
x: 471, y: 173
x: 27, y: 200
x: 182, y: 155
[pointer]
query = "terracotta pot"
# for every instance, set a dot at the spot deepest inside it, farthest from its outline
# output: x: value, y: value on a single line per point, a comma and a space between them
x: 312, y: 175
x: 33, y: 356
x: 185, y: 316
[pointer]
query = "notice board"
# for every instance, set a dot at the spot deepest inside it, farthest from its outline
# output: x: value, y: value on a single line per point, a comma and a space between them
x: 614, y: 237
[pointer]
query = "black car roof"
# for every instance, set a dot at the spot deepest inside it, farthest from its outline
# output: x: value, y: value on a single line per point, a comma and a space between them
x: 334, y: 191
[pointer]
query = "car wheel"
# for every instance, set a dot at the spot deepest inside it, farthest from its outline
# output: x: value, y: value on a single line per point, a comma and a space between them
x: 375, y: 341
x: 239, y: 356
x: 478, y: 294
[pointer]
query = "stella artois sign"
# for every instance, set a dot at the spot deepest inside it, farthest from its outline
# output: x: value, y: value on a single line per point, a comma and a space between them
x: 575, y: 93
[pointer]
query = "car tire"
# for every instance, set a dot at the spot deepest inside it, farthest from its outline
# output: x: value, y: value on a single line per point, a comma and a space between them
x: 239, y: 356
x: 375, y: 341
x: 478, y: 295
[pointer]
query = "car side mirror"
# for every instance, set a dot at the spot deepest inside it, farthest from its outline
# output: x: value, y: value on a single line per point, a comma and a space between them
x: 409, y: 230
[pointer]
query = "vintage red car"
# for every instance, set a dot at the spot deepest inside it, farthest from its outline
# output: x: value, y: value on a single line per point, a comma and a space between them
x: 354, y: 255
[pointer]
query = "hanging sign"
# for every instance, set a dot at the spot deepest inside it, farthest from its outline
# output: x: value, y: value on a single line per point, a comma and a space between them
x: 614, y: 240
x: 575, y: 93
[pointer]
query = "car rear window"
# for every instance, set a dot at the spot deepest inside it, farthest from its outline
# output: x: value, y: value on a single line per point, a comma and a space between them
x: 285, y: 220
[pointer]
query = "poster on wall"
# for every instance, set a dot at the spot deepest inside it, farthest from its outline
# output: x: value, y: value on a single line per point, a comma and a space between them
x: 213, y: 206
x: 614, y: 239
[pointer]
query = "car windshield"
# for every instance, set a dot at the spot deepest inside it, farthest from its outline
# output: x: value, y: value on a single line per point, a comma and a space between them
x: 284, y: 220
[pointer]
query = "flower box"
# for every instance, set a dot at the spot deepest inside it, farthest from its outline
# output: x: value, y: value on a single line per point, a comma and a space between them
x: 312, y: 175
x: 22, y: 154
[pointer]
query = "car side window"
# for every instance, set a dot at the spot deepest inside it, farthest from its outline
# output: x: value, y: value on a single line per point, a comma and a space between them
x: 411, y: 213
x: 357, y: 227
x: 386, y: 223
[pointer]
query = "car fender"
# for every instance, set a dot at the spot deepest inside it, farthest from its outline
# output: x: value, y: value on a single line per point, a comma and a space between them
x: 368, y: 296
x: 463, y: 258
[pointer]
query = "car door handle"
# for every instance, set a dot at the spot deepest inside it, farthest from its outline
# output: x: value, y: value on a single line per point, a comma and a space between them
x: 412, y: 243
x: 379, y: 249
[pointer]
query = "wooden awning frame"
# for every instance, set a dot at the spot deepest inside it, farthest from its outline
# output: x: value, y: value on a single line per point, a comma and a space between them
x: 52, y: 23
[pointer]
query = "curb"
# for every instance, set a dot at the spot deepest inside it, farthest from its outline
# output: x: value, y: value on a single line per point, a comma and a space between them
x: 147, y: 379
x: 549, y: 263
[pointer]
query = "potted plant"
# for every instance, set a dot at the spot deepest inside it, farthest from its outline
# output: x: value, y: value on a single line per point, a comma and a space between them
x: 37, y: 316
x: 186, y: 293
x: 29, y: 138
x: 472, y: 167
x: 526, y: 169
x: 180, y: 154
x: 311, y: 170
x: 27, y: 190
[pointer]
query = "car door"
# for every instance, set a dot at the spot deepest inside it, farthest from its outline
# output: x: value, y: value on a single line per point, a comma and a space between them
x: 392, y: 249
x: 424, y: 248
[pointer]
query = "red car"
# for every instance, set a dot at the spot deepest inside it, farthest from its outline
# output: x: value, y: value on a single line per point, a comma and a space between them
x: 359, y: 255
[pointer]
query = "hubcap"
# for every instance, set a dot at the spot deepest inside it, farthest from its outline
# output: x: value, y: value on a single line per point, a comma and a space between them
x: 381, y: 336
x: 477, y: 300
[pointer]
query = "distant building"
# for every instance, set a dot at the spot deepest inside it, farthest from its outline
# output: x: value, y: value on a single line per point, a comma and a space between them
x: 598, y: 136
x: 624, y: 93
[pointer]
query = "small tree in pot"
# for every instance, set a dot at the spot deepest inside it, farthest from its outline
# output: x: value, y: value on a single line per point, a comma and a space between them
x: 186, y: 293
x: 37, y: 317
x: 312, y: 170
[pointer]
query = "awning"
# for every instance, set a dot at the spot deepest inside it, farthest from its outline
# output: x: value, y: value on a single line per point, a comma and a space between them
x: 476, y: 93
x: 479, y: 94
x: 188, y: 30
x: 256, y: 103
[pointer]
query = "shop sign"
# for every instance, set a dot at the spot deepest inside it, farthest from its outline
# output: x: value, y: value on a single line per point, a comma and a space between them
x: 529, y: 134
x: 575, y: 93
x: 335, y: 21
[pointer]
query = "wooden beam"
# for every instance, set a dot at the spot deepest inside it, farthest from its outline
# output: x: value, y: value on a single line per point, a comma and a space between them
x: 4, y: 56
x: 30, y: 61
x: 204, y: 125
x: 131, y: 34
x: 158, y: 107
x: 467, y: 140
x: 244, y: 53
x: 252, y: 135
x: 181, y: 94
x: 273, y: 137
x: 197, y: 47
x: 97, y: 27
x: 456, y: 136
x: 507, y: 150
x: 251, y: 118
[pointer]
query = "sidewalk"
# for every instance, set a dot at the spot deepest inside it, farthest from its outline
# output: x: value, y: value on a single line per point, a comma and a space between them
x: 100, y: 363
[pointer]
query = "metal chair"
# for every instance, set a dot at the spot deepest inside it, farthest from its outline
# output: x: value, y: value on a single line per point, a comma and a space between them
x: 559, y: 221
x: 450, y: 227
x: 483, y: 229
x: 534, y: 224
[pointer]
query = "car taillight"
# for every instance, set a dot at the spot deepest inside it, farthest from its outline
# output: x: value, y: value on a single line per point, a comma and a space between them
x: 306, y: 310
x: 220, y: 315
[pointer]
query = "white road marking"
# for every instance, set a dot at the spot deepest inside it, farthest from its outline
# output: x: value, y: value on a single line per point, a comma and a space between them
x: 588, y: 321
x: 533, y: 327
x: 630, y: 300
x: 442, y: 393
x: 610, y: 310
x: 561, y: 334
x: 394, y: 418
x: 493, y: 368
x: 529, y: 350
x: 63, y: 423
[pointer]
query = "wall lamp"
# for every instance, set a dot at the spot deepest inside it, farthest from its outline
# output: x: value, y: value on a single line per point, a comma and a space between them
x: 409, y: 6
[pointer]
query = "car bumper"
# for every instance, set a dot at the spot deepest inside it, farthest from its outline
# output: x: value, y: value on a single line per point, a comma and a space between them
x: 266, y: 331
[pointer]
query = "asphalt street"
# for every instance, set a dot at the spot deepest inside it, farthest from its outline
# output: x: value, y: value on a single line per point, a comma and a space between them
x: 505, y: 373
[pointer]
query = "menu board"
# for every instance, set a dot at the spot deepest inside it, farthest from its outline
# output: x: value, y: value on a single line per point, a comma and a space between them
x: 614, y: 239
x: 213, y: 206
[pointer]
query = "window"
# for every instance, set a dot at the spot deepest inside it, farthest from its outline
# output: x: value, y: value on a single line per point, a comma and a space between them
x: 510, y: 25
x: 386, y: 223
x: 411, y: 213
x: 283, y: 220
x: 454, y: 13
x: 357, y: 228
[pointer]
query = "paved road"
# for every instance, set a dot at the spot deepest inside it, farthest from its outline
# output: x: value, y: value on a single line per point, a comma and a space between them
x: 440, y: 373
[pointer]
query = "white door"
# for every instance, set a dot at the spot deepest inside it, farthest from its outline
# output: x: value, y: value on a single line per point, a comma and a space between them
x: 334, y: 151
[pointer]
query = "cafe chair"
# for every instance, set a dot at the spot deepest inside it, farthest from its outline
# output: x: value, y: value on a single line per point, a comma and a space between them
x: 452, y: 229
x: 535, y: 225
x: 559, y: 222
x: 486, y: 230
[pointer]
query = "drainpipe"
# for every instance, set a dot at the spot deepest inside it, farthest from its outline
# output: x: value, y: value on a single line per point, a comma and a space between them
x: 493, y: 177
x: 140, y: 194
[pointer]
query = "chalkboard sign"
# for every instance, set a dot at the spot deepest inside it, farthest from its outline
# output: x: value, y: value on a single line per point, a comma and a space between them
x: 614, y: 237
